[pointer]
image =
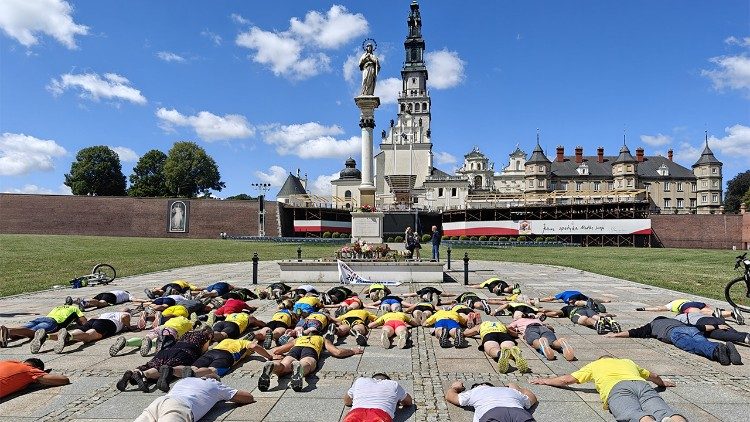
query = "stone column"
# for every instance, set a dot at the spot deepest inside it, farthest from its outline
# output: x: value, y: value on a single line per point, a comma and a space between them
x: 367, y: 105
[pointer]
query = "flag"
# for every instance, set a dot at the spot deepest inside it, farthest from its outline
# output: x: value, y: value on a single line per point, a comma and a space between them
x: 348, y: 276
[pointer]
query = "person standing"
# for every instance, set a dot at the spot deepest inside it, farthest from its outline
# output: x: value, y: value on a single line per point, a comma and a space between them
x: 375, y: 399
x: 436, y: 237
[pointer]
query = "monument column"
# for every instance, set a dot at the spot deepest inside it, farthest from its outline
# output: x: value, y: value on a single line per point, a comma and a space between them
x: 367, y: 105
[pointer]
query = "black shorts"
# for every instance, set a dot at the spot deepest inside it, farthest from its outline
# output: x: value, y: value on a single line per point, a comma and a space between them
x: 523, y: 309
x: 104, y: 327
x: 107, y: 297
x: 229, y: 328
x: 337, y: 296
x: 279, y: 286
x: 424, y: 308
x: 576, y: 297
x: 175, y: 287
x: 507, y: 414
x: 215, y: 359
x: 164, y: 301
x: 352, y: 321
x: 273, y: 325
x: 299, y: 352
x: 582, y: 312
x: 427, y: 290
x: 498, y: 337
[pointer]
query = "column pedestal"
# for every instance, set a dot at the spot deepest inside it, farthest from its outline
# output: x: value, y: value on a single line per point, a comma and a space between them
x: 367, y: 105
x: 367, y: 226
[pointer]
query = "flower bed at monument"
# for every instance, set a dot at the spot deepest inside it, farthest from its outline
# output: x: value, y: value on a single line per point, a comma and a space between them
x: 364, y: 251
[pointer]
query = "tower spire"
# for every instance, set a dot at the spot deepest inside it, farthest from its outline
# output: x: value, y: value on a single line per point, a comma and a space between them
x: 706, y: 132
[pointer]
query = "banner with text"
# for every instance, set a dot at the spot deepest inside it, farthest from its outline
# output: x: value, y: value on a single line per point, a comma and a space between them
x: 547, y: 227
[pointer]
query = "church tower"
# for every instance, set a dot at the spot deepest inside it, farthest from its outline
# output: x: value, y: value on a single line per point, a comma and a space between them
x: 708, y: 176
x: 405, y: 157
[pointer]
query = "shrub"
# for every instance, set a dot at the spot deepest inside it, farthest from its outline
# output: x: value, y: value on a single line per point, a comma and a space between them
x: 521, y: 238
x: 502, y: 239
x: 326, y: 235
x: 335, y: 235
x: 539, y: 239
x: 550, y: 239
x: 512, y: 239
x: 345, y: 235
x: 426, y: 238
x: 483, y: 238
x: 474, y: 238
x: 389, y: 239
x: 446, y: 237
x: 399, y: 239
x: 455, y: 237
x: 493, y: 238
x: 463, y: 237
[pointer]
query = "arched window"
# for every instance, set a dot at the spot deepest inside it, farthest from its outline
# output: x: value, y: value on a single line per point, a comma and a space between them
x: 416, y: 106
x: 348, y: 194
x: 477, y: 182
x: 403, y: 107
x: 424, y: 106
x: 518, y: 165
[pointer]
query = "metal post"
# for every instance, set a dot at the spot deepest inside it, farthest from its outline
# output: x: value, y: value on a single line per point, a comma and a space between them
x: 466, y: 268
x: 262, y: 189
x: 449, y: 257
x: 299, y: 253
x: 255, y: 267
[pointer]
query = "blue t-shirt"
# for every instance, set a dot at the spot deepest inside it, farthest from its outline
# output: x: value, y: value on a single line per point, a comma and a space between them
x: 566, y: 295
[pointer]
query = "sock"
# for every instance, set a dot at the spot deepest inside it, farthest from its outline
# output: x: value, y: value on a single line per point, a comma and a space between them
x: 134, y: 342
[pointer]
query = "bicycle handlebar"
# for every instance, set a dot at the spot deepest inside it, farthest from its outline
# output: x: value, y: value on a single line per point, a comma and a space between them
x: 740, y: 261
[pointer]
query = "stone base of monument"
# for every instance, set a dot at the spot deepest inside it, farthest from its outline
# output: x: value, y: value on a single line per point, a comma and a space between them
x: 367, y: 226
x: 327, y: 271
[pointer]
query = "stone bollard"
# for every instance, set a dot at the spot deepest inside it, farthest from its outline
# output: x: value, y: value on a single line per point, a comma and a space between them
x: 466, y: 268
x: 449, y: 257
x: 255, y: 267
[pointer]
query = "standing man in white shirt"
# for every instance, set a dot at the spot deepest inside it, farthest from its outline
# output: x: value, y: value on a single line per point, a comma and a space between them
x: 375, y: 399
x: 494, y: 404
x: 190, y: 399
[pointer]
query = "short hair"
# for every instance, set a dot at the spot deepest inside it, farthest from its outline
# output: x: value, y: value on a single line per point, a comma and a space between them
x: 35, y: 363
x: 381, y: 376
x: 488, y: 384
x: 606, y: 357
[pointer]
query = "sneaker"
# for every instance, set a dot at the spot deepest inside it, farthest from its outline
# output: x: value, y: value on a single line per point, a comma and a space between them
x: 615, y: 326
x: 385, y: 340
x: 283, y: 339
x: 601, y: 326
x: 459, y: 341
x: 486, y: 307
x: 140, y: 381
x: 360, y: 339
x: 149, y: 294
x: 542, y: 317
x: 521, y: 363
x: 4, y: 336
x: 142, y: 321
x: 68, y: 300
x: 341, y: 311
x: 330, y: 333
x: 268, y: 340
x: 250, y: 336
x: 717, y: 312
x: 445, y: 339
x: 157, y: 319
x: 122, y: 384
x: 264, y: 382
x: 567, y: 350
x: 737, y: 315
x: 402, y: 340
x: 146, y: 346
x: 516, y: 288
x: 165, y: 373
x: 503, y: 360
x: 36, y: 343
x: 734, y: 355
x: 193, y: 317
x: 170, y: 291
x: 211, y: 319
x: 546, y: 349
x: 188, y: 372
x: 721, y: 354
x: 297, y: 376
x: 119, y: 345
x: 62, y: 340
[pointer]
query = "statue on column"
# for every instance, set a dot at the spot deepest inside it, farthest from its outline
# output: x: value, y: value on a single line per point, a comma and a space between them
x: 370, y: 67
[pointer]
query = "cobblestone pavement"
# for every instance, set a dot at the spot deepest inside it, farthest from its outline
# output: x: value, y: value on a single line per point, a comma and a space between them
x: 705, y: 390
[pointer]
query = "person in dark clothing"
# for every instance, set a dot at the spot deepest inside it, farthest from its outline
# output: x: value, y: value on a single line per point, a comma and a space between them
x: 684, y: 337
x: 714, y: 327
x: 436, y: 237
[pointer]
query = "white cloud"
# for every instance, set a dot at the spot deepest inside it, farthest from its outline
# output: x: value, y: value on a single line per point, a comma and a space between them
x: 215, y: 38
x: 21, y: 154
x: 445, y: 68
x: 734, y: 146
x: 687, y: 154
x: 351, y: 67
x: 94, y: 87
x: 237, y: 18
x: 445, y: 158
x: 38, y: 190
x: 332, y: 30
x: 168, y: 56
x: 329, y: 147
x: 657, y: 140
x: 310, y: 140
x: 276, y: 175
x: 322, y: 184
x: 388, y: 89
x: 208, y: 126
x: 744, y: 41
x: 24, y: 20
x: 731, y: 72
x: 126, y: 154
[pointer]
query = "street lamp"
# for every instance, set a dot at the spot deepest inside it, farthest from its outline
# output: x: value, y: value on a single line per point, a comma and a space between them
x: 262, y: 188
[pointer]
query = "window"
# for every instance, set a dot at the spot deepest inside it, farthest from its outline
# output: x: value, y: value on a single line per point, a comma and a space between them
x: 663, y: 170
x: 578, y: 201
x: 714, y: 170
x: 705, y: 183
x: 716, y: 183
x: 416, y: 106
x: 348, y: 194
x: 693, y: 202
x: 630, y: 183
x: 630, y: 168
x: 679, y: 187
x: 553, y: 185
x: 704, y: 199
x: 518, y: 165
x: 454, y: 192
x: 579, y: 186
x: 667, y: 186
x: 693, y: 187
x: 542, y: 169
x: 715, y: 198
x: 610, y: 185
x: 619, y: 183
x: 563, y: 185
x: 477, y: 182
x: 540, y: 183
x: 667, y: 202
x: 680, y: 202
x: 597, y: 186
x: 531, y: 183
x: 440, y: 192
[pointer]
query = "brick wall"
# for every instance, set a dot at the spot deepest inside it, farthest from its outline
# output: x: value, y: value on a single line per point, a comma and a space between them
x: 746, y: 231
x: 125, y: 216
x: 708, y: 231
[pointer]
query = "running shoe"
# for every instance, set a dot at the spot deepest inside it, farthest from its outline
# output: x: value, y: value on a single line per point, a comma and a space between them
x: 188, y: 372
x: 36, y: 343
x: 546, y: 349
x: 149, y: 294
x: 4, y: 336
x: 193, y: 317
x: 283, y: 339
x: 268, y: 340
x: 445, y: 339
x: 157, y: 319
x: 297, y: 376
x: 330, y: 333
x: 341, y: 311
x: 211, y: 319
x: 737, y: 315
x: 264, y: 382
x: 614, y: 326
x: 146, y: 344
x: 140, y: 381
x: 521, y: 363
x: 721, y: 354
x: 567, y: 350
x: 459, y: 341
x: 734, y: 355
x: 542, y: 317
x: 360, y: 339
x: 486, y: 307
x: 403, y: 337
x: 516, y: 288
x: 503, y: 360
x: 165, y: 373
x: 142, y: 321
x: 169, y: 291
x: 717, y: 312
x: 385, y: 340
x: 68, y: 300
x: 600, y: 326
x: 122, y: 384
x: 119, y: 345
x: 250, y: 336
x: 62, y: 340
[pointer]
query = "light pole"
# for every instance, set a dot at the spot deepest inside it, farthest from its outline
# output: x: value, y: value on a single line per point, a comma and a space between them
x: 262, y: 188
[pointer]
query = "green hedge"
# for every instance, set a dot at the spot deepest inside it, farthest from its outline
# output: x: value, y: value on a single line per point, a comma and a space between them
x: 399, y: 239
x: 326, y: 235
x: 482, y: 238
x: 426, y: 238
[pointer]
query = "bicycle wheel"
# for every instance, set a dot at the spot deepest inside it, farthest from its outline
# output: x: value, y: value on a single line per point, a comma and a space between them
x: 105, y: 273
x: 736, y: 294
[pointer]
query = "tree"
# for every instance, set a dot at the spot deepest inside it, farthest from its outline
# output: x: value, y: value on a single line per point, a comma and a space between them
x: 148, y: 175
x: 240, y: 197
x: 188, y: 170
x: 96, y: 171
x: 746, y: 200
x: 736, y: 188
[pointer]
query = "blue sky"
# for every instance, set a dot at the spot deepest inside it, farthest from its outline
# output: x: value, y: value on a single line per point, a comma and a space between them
x: 267, y: 87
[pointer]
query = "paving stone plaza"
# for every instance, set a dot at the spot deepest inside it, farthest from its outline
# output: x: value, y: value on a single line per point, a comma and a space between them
x: 705, y: 391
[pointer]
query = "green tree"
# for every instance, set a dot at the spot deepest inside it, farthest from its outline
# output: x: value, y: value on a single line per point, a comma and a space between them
x: 188, y: 171
x: 240, y: 197
x: 746, y: 199
x: 96, y: 171
x: 148, y: 175
x: 736, y: 189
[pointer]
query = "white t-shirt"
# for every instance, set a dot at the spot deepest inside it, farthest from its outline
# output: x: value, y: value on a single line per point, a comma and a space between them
x: 483, y: 398
x: 115, y: 317
x: 369, y: 393
x: 200, y: 395
x: 308, y: 288
x: 121, y: 296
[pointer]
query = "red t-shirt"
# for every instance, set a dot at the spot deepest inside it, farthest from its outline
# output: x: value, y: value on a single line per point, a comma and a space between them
x: 15, y: 376
x: 232, y: 306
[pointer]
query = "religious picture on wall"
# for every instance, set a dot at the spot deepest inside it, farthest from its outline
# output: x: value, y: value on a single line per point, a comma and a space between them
x: 524, y: 227
x: 178, y: 217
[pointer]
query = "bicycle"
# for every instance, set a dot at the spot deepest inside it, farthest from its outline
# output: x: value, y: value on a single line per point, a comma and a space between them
x: 737, y: 291
x: 100, y: 274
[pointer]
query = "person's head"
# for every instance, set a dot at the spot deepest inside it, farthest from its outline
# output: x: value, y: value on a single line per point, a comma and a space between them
x: 380, y: 376
x: 286, y: 304
x: 434, y: 228
x: 488, y: 384
x: 369, y: 48
x: 408, y: 230
x: 606, y: 357
x: 35, y: 363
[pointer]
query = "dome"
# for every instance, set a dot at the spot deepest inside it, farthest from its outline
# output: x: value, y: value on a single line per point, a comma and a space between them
x: 350, y: 171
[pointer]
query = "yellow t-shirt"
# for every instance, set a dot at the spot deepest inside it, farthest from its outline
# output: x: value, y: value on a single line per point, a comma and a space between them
x: 488, y: 327
x: 393, y: 316
x: 362, y: 314
x: 443, y: 314
x: 310, y: 300
x: 674, y: 305
x: 175, y: 311
x: 284, y: 317
x: 241, y: 319
x: 237, y: 348
x: 314, y: 342
x: 180, y: 324
x: 184, y: 284
x: 485, y: 283
x: 319, y: 316
x: 607, y: 372
x: 61, y: 313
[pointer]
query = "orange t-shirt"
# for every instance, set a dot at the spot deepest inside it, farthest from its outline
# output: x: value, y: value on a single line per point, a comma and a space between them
x: 15, y: 376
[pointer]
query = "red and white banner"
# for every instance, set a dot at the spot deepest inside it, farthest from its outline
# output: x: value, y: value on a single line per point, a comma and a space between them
x: 320, y: 226
x: 547, y: 227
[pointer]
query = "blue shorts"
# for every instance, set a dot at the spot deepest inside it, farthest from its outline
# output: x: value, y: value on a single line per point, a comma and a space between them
x: 389, y: 302
x: 221, y: 288
x: 447, y: 324
x: 686, y: 305
x: 164, y: 301
x: 222, y: 371
x: 45, y: 323
x: 302, y: 308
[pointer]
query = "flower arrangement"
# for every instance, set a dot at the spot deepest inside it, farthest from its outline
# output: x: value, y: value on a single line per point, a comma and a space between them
x: 363, y: 250
x: 367, y: 208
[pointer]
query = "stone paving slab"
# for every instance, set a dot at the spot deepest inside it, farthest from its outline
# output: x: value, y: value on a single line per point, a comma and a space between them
x: 705, y: 390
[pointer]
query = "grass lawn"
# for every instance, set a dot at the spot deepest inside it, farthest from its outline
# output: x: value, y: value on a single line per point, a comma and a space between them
x: 33, y: 262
